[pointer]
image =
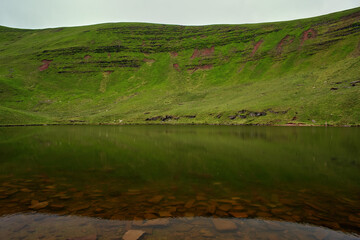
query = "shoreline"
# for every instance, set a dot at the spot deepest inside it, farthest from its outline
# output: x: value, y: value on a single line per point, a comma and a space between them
x: 176, y: 124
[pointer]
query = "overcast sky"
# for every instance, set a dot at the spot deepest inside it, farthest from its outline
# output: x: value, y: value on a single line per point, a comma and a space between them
x: 56, y: 13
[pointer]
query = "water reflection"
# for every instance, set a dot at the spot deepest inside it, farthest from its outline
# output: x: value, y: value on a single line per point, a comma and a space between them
x: 299, y: 175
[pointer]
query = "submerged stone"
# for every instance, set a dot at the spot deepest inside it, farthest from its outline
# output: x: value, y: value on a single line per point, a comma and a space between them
x: 36, y: 205
x: 133, y: 235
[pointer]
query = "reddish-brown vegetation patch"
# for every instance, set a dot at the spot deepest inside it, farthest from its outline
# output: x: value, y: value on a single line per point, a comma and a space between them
x: 286, y: 40
x: 203, y: 52
x: 174, y: 54
x: 308, y: 34
x: 256, y: 47
x: 45, y: 65
x: 201, y: 67
x: 87, y: 57
x: 176, y: 66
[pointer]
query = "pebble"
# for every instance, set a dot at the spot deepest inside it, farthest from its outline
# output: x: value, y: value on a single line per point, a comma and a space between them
x: 133, y: 235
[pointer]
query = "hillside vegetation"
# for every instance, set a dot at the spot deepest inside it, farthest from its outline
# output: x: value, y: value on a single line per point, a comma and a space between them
x: 297, y: 72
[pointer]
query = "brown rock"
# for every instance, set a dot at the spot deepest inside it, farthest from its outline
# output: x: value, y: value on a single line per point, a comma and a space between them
x: 164, y: 214
x: 220, y: 213
x: 211, y: 208
x: 239, y: 214
x: 81, y: 207
x: 36, y: 205
x: 133, y: 235
x: 225, y: 207
x: 150, y: 216
x: 263, y: 214
x: 223, y: 225
x: 189, y: 214
x: 171, y: 209
x: 25, y: 190
x: 189, y: 203
x: 201, y: 198
x: 238, y: 207
x: 57, y: 206
x: 99, y: 210
x: 156, y: 199
x: 354, y: 218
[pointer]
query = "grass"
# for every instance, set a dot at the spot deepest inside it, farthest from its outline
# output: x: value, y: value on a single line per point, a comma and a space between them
x: 130, y: 75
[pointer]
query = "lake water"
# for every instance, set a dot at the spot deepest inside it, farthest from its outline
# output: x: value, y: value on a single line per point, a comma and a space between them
x: 179, y: 182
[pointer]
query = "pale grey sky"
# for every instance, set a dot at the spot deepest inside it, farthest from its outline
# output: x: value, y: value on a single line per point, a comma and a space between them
x: 57, y: 13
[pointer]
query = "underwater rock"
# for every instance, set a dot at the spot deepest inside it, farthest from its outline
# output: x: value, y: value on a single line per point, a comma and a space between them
x: 133, y: 235
x: 223, y: 225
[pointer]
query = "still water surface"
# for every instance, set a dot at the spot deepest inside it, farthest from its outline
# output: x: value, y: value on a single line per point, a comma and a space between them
x: 179, y: 182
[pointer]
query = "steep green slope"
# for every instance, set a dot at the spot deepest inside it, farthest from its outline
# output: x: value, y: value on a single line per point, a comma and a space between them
x: 304, y: 71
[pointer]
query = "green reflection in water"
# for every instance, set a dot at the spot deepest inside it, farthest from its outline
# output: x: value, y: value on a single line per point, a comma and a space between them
x: 312, y: 174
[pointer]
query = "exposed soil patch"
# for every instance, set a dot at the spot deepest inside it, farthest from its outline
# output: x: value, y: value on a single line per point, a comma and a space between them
x: 308, y: 34
x: 46, y: 64
x: 285, y: 41
x: 131, y: 63
x: 177, y: 67
x: 174, y: 54
x: 166, y: 118
x: 256, y: 47
x: 203, y: 52
x: 243, y: 114
x: 87, y: 57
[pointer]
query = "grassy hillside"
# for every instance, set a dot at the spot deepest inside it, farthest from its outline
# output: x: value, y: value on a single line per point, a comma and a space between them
x: 302, y: 72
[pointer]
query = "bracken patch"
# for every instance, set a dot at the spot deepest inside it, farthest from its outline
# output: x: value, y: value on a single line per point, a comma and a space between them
x: 308, y: 34
x: 256, y: 47
x: 203, y: 52
x: 46, y: 64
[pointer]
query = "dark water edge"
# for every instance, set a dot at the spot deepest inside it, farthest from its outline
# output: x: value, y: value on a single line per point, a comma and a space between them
x: 250, y: 177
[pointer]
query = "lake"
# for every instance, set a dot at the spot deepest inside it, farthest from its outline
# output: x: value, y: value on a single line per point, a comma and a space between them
x: 179, y: 182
